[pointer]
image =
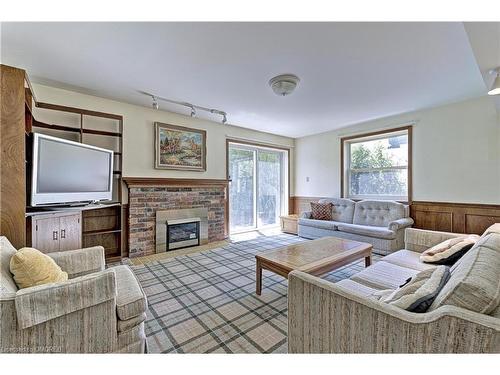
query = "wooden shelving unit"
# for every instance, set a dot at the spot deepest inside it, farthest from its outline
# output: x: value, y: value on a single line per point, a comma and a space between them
x: 102, y: 226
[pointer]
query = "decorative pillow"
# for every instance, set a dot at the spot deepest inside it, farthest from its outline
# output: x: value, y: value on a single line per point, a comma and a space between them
x: 321, y: 211
x: 31, y: 267
x: 475, y: 280
x: 417, y: 294
x: 449, y: 251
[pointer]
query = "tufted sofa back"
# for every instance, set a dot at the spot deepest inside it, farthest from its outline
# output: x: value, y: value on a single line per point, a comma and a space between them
x: 378, y: 213
x: 342, y: 210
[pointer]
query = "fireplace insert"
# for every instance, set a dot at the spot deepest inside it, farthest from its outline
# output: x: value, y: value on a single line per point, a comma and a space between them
x: 183, y: 233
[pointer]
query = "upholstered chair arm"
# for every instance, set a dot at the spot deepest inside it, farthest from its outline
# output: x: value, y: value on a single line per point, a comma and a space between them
x: 401, y: 223
x: 420, y: 240
x: 80, y: 262
x: 326, y: 318
x: 306, y: 215
x: 42, y: 303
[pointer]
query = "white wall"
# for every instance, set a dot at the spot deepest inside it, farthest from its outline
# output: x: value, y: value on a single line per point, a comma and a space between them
x: 456, y: 154
x: 138, y: 133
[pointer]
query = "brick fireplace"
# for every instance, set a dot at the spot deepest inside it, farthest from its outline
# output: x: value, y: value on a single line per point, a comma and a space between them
x: 148, y: 195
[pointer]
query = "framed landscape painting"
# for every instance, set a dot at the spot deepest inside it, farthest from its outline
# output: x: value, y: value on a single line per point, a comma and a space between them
x: 177, y: 147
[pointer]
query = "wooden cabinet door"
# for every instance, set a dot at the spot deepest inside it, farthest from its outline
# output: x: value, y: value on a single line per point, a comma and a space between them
x: 46, y: 234
x: 70, y: 232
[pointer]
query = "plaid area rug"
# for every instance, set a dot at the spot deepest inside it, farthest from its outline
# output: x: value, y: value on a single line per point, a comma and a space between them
x: 206, y: 302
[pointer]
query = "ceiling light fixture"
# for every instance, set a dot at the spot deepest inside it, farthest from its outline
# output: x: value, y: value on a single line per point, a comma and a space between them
x: 284, y: 84
x: 193, y: 107
x: 495, y: 89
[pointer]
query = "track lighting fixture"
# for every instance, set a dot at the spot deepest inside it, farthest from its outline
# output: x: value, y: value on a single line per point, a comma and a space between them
x: 155, y: 102
x: 193, y: 107
x: 495, y: 89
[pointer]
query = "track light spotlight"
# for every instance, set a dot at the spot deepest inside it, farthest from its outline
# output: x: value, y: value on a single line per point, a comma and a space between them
x: 224, y: 118
x: 155, y: 103
x: 193, y: 111
x: 495, y: 88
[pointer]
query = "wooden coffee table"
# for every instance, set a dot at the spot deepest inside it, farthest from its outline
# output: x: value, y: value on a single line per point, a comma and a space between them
x: 315, y: 257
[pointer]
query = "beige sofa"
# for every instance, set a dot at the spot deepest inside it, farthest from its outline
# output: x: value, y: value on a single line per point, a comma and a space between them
x: 95, y: 311
x: 344, y: 317
x: 380, y: 223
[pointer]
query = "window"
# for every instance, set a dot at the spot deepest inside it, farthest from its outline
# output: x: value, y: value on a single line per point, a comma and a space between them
x: 377, y: 165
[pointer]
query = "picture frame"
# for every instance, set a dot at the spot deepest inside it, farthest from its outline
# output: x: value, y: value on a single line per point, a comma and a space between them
x: 180, y: 148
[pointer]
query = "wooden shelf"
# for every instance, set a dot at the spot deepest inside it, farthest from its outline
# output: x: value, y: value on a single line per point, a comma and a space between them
x: 101, y: 226
x: 43, y: 125
x: 96, y: 232
x: 101, y: 132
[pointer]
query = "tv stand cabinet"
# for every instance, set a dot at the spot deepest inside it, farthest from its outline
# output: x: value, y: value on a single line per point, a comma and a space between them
x: 69, y: 228
x: 55, y: 231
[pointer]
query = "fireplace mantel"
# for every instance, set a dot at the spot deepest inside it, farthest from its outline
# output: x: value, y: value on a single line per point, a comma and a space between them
x: 155, y: 181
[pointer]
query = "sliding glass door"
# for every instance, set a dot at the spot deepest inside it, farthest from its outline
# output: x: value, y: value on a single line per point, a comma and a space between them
x: 257, y: 189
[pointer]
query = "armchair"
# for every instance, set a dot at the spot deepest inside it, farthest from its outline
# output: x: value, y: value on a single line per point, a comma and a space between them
x: 95, y: 311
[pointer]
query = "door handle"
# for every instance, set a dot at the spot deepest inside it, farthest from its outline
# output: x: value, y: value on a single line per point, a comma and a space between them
x: 63, y: 233
x: 54, y: 235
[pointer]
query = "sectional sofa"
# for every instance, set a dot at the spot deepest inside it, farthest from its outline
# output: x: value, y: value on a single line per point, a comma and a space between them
x: 381, y: 223
x: 345, y: 317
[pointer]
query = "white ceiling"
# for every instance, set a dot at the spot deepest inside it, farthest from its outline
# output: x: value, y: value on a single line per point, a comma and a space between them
x: 350, y: 72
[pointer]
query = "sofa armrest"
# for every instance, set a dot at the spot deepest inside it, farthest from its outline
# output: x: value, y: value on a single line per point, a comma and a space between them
x: 420, y: 240
x: 306, y: 215
x: 42, y: 303
x: 326, y: 318
x: 400, y: 224
x: 80, y: 262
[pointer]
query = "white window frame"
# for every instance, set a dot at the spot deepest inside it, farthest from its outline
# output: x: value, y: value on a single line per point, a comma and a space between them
x: 348, y: 171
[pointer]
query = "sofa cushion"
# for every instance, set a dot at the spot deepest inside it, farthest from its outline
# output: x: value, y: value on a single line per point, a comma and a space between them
x: 366, y: 230
x: 125, y: 325
x: 7, y: 283
x: 321, y: 211
x: 419, y: 293
x: 408, y: 259
x: 357, y: 288
x: 342, y: 209
x: 384, y: 275
x: 322, y: 224
x: 31, y: 267
x: 450, y: 251
x: 130, y: 298
x: 377, y: 213
x: 475, y: 279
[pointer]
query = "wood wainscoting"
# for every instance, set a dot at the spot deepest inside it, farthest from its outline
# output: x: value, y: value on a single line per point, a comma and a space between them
x: 300, y: 204
x: 454, y: 217
x: 439, y: 216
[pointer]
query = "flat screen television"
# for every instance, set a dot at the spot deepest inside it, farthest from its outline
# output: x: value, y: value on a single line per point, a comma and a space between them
x: 65, y: 172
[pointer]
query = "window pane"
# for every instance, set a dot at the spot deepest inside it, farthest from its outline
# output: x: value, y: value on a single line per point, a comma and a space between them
x: 269, y: 187
x: 392, y: 182
x: 241, y: 189
x: 378, y: 167
x: 380, y: 153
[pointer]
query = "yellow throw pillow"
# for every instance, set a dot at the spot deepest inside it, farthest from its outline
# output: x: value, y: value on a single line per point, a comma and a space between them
x: 31, y: 267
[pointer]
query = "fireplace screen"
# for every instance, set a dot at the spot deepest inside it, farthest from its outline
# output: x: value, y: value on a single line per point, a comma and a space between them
x: 183, y: 233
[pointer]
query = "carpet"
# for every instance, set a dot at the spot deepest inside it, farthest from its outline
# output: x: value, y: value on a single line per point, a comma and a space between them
x: 206, y: 302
